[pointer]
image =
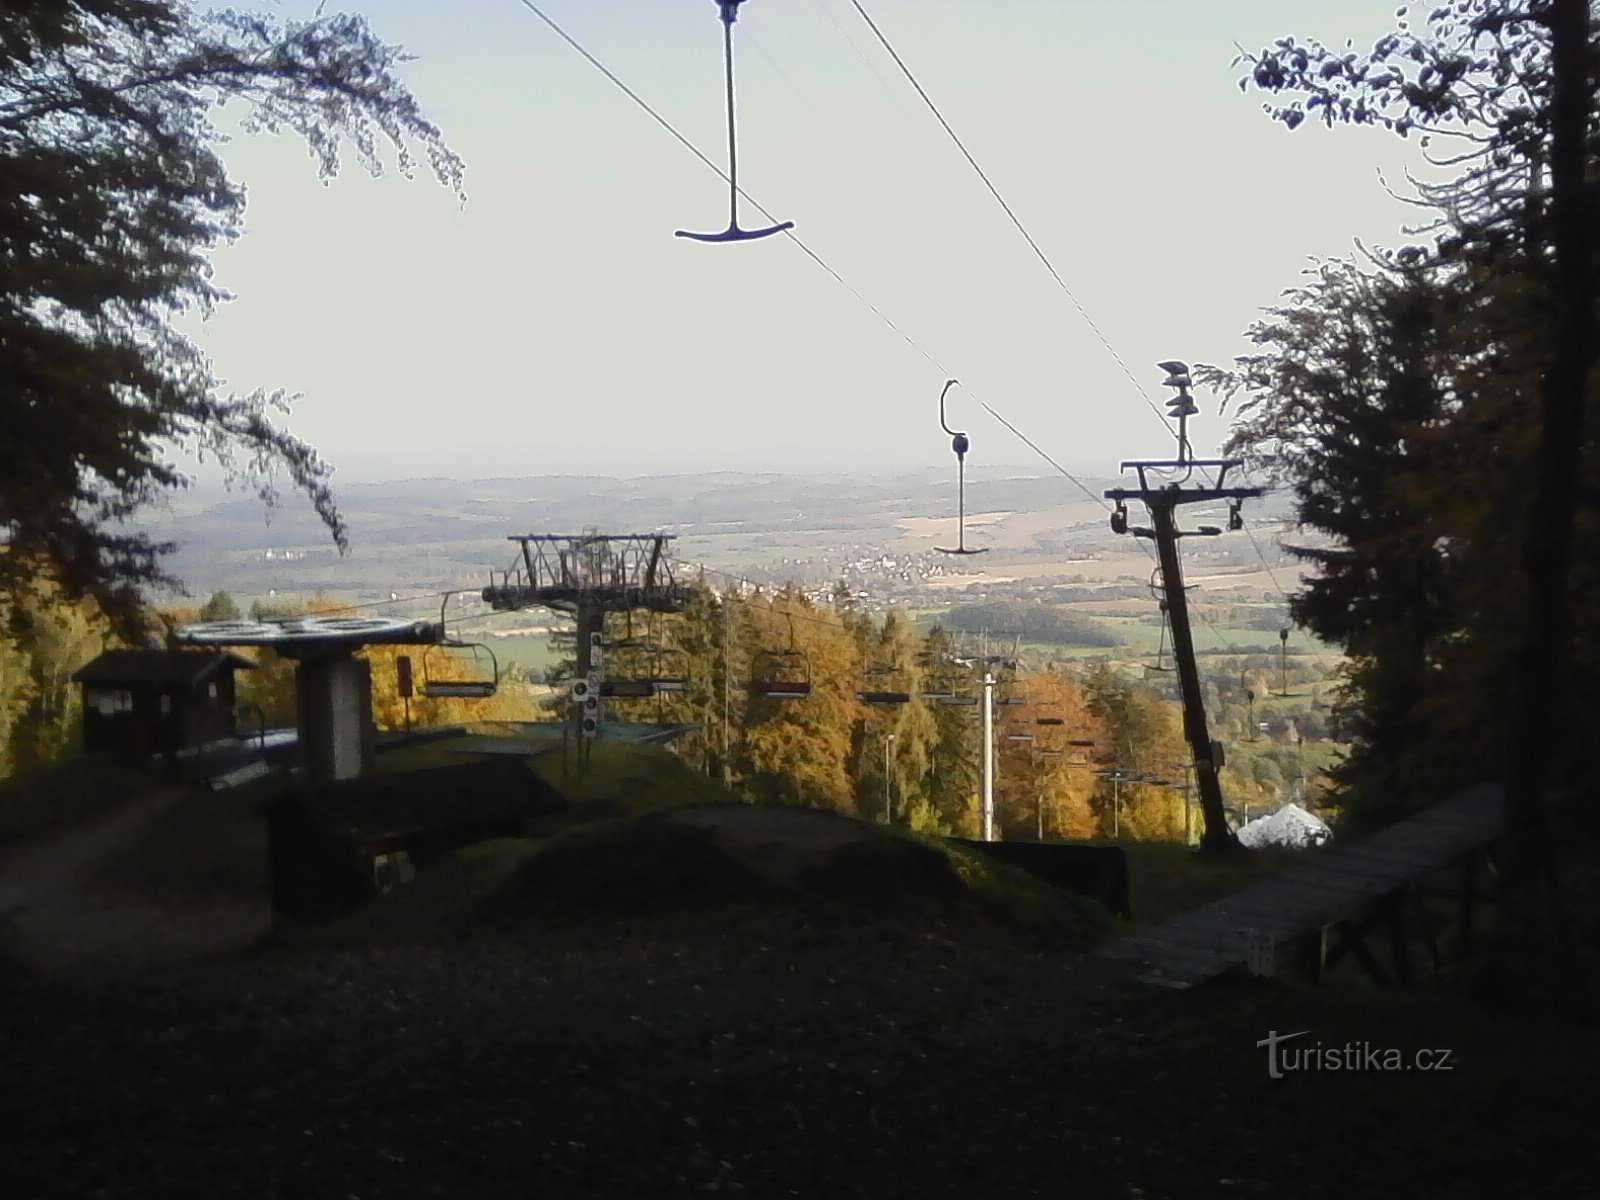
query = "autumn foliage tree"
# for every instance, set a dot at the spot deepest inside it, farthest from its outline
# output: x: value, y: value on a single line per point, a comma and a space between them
x: 800, y: 750
x: 876, y: 736
x: 1047, y: 785
x: 53, y: 634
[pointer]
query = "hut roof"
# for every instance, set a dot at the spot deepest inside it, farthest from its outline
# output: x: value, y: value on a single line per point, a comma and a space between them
x: 122, y: 667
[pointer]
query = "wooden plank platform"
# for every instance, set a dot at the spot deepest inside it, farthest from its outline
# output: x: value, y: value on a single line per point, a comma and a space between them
x: 1335, y: 888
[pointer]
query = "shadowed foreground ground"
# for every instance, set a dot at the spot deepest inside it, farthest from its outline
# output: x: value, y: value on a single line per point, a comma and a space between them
x: 782, y: 1058
x: 866, y: 1034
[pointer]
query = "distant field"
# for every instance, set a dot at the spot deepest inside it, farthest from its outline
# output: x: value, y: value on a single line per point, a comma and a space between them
x: 526, y: 651
x: 1142, y: 636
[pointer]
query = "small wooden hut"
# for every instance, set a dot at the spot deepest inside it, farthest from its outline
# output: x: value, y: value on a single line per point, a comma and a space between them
x: 137, y: 703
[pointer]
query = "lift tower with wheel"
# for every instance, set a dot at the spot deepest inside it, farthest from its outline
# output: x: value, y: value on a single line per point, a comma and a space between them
x: 588, y: 575
x: 1164, y: 486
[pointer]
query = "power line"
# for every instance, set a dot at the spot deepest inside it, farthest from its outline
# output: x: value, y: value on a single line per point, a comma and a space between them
x: 1009, y: 211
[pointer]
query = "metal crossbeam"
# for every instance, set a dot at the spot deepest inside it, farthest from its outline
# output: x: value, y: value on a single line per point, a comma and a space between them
x: 595, y: 572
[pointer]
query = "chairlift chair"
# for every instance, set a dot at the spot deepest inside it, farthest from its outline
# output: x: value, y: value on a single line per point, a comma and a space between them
x: 880, y: 696
x: 661, y: 684
x: 874, y: 697
x: 785, y: 673
x: 676, y: 682
x: 1011, y: 701
x: 626, y: 689
x: 636, y: 686
x: 475, y: 688
x: 478, y: 687
x: 627, y: 641
x: 729, y: 13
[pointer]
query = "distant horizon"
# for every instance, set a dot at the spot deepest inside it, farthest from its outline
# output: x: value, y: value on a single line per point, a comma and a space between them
x: 209, y: 482
x: 555, y: 322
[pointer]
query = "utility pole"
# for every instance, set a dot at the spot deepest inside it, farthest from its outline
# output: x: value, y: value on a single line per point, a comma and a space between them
x: 727, y: 698
x: 988, y: 756
x: 1162, y: 496
x: 888, y: 811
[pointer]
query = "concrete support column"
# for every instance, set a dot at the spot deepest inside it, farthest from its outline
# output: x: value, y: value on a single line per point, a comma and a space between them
x: 334, y: 698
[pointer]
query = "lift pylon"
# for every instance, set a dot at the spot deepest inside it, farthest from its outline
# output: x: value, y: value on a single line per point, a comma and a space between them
x: 588, y: 575
x: 1165, y: 485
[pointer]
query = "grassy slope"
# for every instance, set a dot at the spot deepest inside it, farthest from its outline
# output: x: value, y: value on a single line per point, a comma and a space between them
x: 626, y: 864
x: 1166, y: 879
x: 205, y: 846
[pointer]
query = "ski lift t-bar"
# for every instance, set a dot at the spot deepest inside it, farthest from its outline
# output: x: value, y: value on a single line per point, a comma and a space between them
x: 729, y: 10
x: 960, y: 444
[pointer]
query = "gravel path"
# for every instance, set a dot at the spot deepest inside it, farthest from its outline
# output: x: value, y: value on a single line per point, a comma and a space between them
x: 55, y: 918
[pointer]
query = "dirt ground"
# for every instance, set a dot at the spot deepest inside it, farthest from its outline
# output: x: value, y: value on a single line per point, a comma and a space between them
x: 756, y: 1052
x: 57, y: 916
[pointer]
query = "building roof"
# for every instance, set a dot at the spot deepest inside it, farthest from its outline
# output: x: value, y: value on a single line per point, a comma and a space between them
x: 124, y: 667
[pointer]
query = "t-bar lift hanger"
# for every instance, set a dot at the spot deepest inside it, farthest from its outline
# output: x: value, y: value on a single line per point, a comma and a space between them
x: 733, y: 233
x: 960, y: 444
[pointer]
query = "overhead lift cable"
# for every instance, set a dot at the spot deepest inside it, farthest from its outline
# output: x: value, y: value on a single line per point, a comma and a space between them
x: 840, y: 279
x: 1009, y: 211
x: 1038, y: 251
x: 1032, y: 243
x: 723, y: 175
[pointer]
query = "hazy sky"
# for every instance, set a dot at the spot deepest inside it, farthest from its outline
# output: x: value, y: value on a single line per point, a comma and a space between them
x: 555, y: 324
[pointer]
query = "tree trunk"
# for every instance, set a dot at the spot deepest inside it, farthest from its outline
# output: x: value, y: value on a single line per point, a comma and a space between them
x: 1563, y: 401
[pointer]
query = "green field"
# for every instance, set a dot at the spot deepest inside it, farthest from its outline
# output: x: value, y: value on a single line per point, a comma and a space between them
x: 523, y: 652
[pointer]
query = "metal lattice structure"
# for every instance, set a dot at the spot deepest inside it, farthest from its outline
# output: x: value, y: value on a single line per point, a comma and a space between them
x: 594, y: 572
x: 588, y: 575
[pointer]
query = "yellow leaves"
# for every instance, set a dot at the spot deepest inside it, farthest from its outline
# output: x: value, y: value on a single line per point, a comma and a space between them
x: 1046, y: 780
x: 513, y: 699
